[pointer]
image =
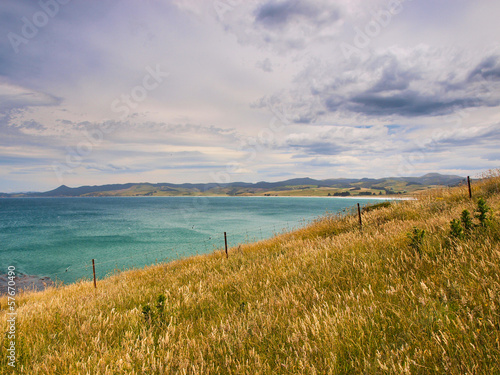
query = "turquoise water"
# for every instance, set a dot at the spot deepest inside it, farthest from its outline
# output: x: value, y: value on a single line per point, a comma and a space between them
x: 58, y: 237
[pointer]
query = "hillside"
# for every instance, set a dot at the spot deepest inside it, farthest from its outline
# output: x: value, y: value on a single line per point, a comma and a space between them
x: 293, y: 187
x: 415, y: 291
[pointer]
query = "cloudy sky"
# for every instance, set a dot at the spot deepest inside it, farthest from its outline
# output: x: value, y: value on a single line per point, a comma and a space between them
x: 115, y: 91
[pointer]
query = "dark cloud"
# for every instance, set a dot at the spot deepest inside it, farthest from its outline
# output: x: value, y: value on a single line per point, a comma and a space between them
x: 393, y: 93
x: 394, y: 77
x: 277, y: 14
x: 488, y: 69
x: 387, y: 85
x: 407, y: 103
x: 34, y: 125
x: 285, y: 26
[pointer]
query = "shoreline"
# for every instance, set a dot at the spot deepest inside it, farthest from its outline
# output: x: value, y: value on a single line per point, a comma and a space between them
x: 36, y: 283
x: 25, y: 283
x: 375, y: 197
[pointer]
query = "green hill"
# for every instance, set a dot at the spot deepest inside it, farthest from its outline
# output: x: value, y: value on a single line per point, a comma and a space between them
x: 293, y: 187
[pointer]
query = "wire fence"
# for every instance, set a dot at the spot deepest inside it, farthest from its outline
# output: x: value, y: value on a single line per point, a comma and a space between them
x: 169, y: 251
x: 200, y: 242
x: 85, y: 268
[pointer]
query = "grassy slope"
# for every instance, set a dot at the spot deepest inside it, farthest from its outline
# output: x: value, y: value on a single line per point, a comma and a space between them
x: 324, y: 299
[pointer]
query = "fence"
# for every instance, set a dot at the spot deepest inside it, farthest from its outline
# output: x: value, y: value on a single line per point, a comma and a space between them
x: 223, y: 240
x: 93, y: 268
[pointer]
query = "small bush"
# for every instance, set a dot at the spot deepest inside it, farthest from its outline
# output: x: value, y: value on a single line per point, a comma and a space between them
x: 459, y: 229
x: 482, y: 211
x: 466, y: 221
x: 416, y: 239
x: 456, y: 229
x: 155, y: 315
x: 160, y: 302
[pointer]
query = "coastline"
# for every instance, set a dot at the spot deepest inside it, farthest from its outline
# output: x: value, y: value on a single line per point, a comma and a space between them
x: 374, y: 197
x: 25, y: 283
x: 34, y: 281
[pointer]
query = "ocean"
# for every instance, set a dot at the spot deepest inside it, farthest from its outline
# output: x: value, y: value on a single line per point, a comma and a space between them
x: 59, y: 237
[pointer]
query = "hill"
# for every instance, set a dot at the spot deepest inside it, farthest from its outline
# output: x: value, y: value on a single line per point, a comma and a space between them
x: 414, y: 291
x: 293, y: 187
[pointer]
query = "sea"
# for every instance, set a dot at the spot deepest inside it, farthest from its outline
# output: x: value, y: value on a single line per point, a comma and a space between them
x: 59, y: 237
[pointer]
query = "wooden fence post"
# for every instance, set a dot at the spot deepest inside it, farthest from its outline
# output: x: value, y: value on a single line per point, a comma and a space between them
x: 359, y: 216
x: 93, y: 269
x: 225, y: 242
x: 470, y: 190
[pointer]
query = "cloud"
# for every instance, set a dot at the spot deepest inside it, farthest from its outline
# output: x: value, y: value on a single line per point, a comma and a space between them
x: 337, y: 140
x: 282, y: 25
x: 265, y: 65
x: 279, y: 14
x: 268, y: 76
x: 17, y: 97
x: 325, y: 146
x: 486, y: 135
x: 321, y: 162
x: 109, y: 167
x: 396, y: 83
x: 22, y: 160
x: 405, y: 103
x: 488, y: 69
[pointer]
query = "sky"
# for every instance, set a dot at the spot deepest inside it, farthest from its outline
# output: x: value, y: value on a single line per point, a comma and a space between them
x: 116, y: 91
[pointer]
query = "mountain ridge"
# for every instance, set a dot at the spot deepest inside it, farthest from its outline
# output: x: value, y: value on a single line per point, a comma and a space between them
x: 367, y: 186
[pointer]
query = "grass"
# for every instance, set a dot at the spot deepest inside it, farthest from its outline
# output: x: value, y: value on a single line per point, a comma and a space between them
x: 402, y: 296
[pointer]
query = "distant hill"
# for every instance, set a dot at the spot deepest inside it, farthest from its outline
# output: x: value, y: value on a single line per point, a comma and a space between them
x: 293, y: 187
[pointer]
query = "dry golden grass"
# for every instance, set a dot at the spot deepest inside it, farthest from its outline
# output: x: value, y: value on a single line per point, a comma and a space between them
x: 326, y: 299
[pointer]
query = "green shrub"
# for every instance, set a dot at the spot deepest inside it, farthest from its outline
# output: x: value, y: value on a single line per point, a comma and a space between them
x: 459, y: 229
x: 155, y: 315
x: 456, y: 229
x: 466, y: 221
x: 482, y: 211
x: 416, y: 239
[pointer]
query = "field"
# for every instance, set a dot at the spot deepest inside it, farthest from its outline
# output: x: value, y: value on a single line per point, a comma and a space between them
x: 415, y: 291
x: 389, y: 187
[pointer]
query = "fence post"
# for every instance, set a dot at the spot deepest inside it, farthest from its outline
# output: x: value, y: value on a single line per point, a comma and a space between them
x: 470, y: 190
x: 93, y: 269
x: 359, y: 216
x: 225, y: 242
